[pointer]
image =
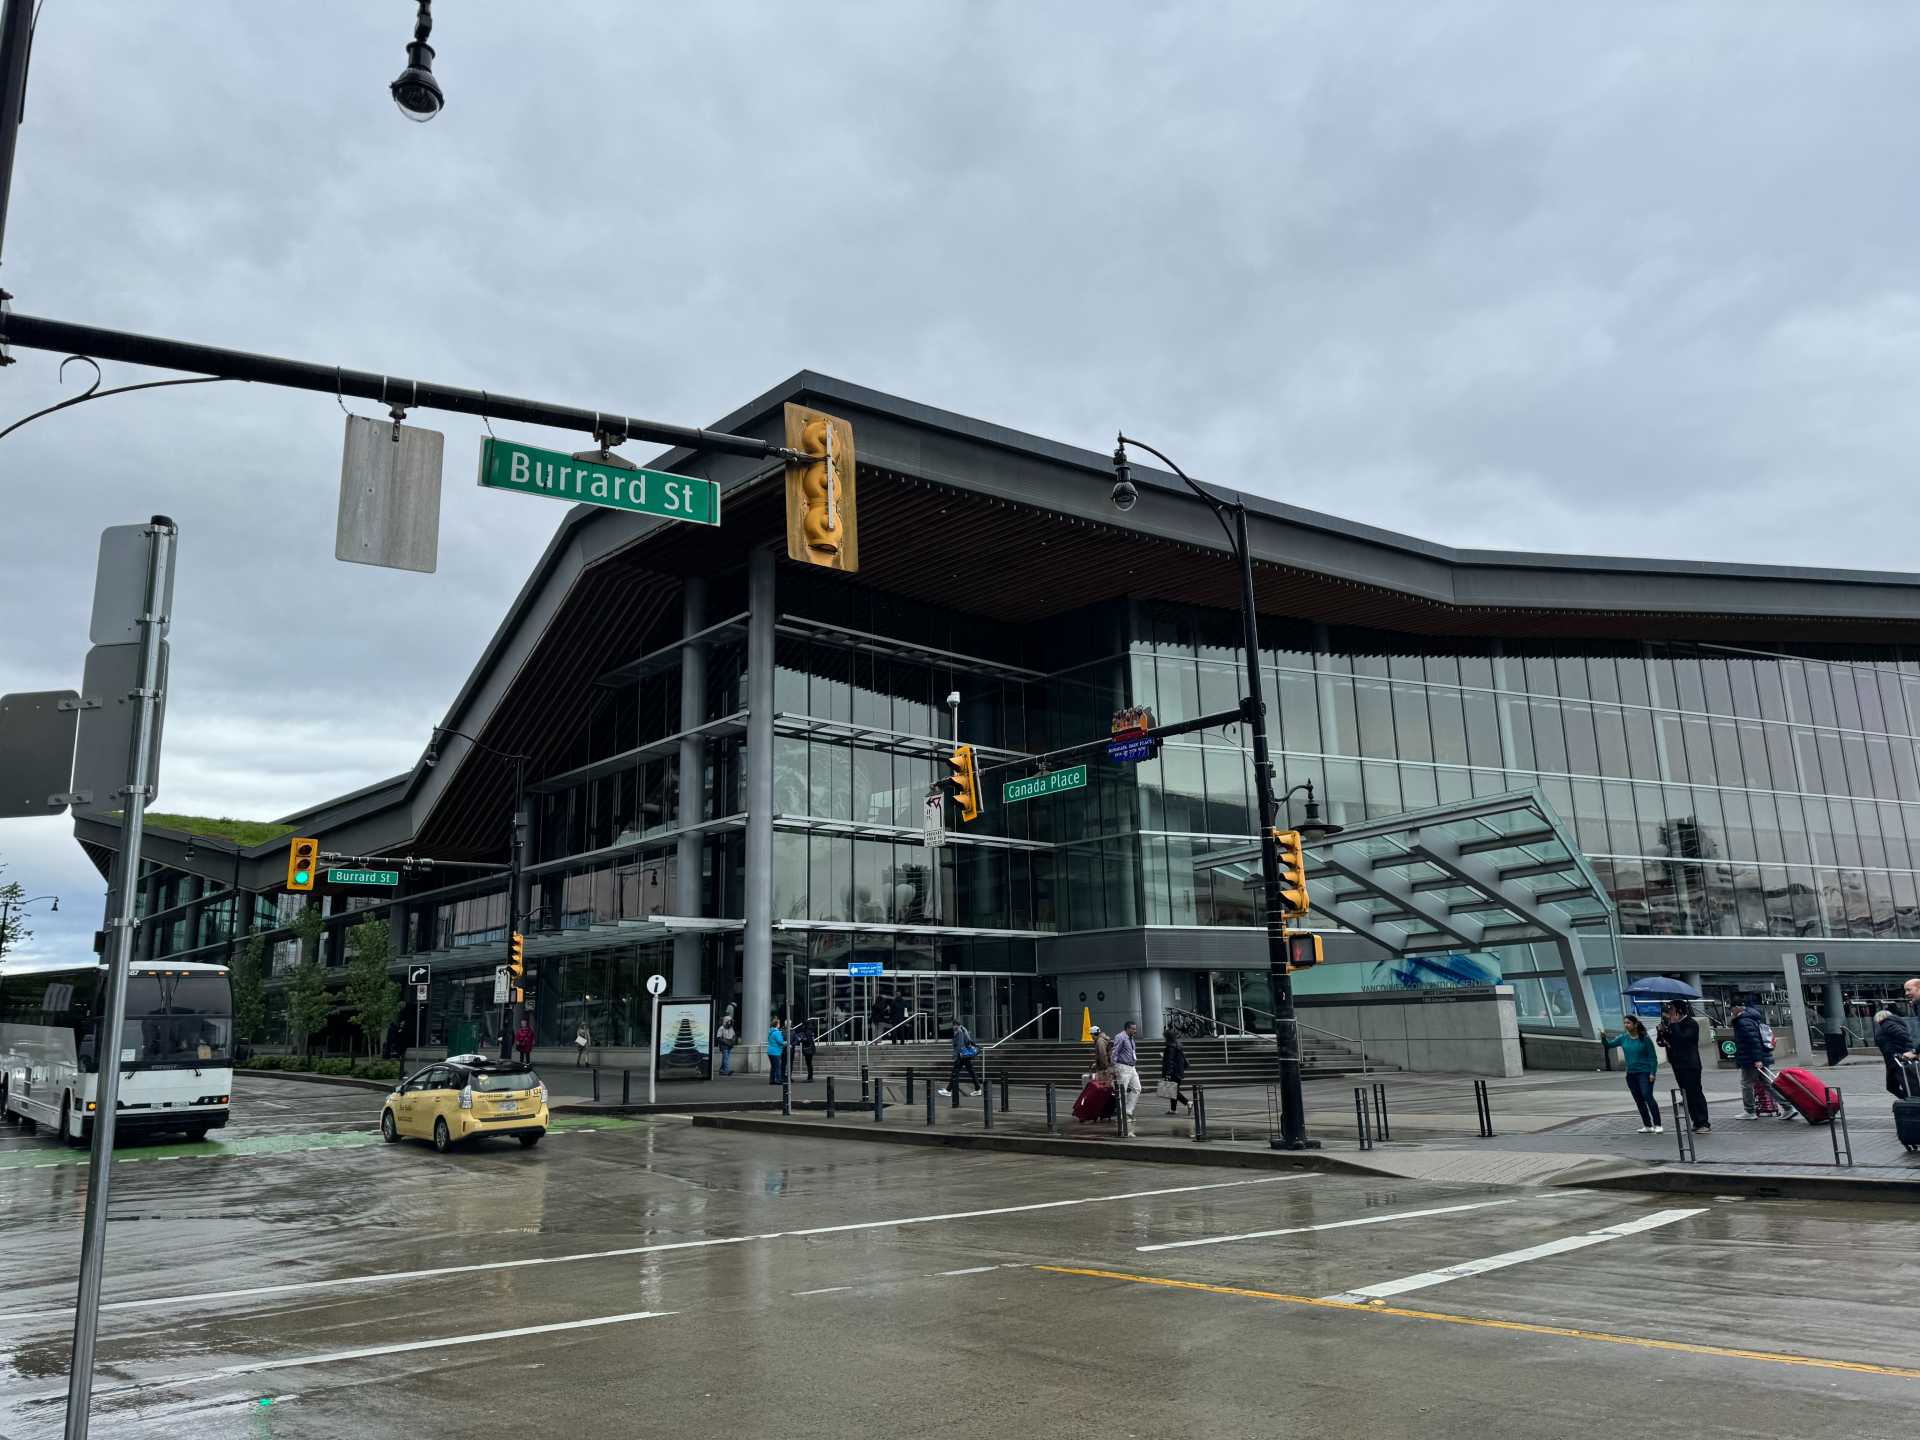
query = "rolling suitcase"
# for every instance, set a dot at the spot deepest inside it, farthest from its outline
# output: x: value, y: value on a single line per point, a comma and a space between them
x: 1906, y: 1113
x: 1805, y: 1091
x: 1095, y: 1102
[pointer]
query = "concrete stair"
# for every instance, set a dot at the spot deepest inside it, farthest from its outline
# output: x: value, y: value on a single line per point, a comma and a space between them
x: 1062, y: 1063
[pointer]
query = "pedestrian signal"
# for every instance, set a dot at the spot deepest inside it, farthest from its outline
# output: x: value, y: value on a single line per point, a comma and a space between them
x: 820, y: 494
x: 303, y: 863
x: 965, y: 782
x: 1293, y: 872
x: 1303, y: 952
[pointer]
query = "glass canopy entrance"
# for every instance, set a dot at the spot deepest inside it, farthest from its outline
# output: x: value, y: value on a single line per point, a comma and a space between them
x: 1500, y: 875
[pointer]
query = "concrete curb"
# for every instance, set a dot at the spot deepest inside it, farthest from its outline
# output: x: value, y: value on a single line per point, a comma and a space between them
x: 1138, y: 1150
x: 696, y: 1107
x: 1666, y: 1180
x: 353, y: 1082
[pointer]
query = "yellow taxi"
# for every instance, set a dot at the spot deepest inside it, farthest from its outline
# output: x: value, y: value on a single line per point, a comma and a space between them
x: 466, y: 1098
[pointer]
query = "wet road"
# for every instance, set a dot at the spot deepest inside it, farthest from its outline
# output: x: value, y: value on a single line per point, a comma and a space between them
x: 647, y: 1276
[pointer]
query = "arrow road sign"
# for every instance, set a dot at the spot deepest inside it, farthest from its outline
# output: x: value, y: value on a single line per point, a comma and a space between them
x: 419, y: 974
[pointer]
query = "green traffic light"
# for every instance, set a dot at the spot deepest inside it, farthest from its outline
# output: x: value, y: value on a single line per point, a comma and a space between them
x: 302, y: 876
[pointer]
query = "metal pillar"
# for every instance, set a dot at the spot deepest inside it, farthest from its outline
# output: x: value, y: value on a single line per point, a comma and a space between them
x: 1135, y: 1000
x: 148, y: 930
x: 1836, y: 1002
x: 196, y: 910
x: 756, y: 981
x: 687, y: 948
x: 140, y: 763
x: 1153, y: 1004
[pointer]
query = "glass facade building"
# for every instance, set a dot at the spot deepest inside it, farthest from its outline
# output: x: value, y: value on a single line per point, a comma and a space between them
x: 731, y: 754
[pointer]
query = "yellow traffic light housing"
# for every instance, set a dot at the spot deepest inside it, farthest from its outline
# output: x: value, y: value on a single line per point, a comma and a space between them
x: 821, y: 528
x: 1293, y: 872
x: 1303, y: 951
x: 965, y: 782
x: 517, y: 964
x: 303, y: 863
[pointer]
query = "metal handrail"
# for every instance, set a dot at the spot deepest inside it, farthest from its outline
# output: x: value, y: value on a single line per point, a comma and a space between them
x: 1050, y: 1010
x: 821, y: 1037
x: 911, y: 1017
x: 1212, y: 1020
x: 1359, y: 1044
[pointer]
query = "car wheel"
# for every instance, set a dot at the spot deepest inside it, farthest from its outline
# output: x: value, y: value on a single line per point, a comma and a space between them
x: 389, y: 1131
x: 442, y: 1137
x: 527, y: 1142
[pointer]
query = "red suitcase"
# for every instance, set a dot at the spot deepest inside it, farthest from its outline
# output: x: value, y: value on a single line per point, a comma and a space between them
x: 1806, y: 1092
x: 1095, y: 1102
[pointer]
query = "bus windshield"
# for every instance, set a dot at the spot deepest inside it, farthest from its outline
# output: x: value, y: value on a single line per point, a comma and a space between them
x: 177, y: 1020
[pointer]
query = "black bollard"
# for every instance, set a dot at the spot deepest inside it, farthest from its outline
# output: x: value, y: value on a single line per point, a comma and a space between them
x: 596, y: 1084
x: 930, y: 1098
x: 1380, y: 1112
x: 1053, y: 1117
x: 1005, y: 1099
x: 1360, y: 1118
x: 909, y: 1085
x: 879, y: 1101
x: 626, y: 1087
x: 863, y: 1084
x: 829, y: 1097
x: 786, y: 1094
x: 1198, y: 1107
x: 986, y: 1105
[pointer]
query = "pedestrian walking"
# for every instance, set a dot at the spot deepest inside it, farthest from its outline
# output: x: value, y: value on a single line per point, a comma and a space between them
x: 523, y: 1041
x: 1751, y: 1051
x: 806, y: 1037
x: 1895, y: 1043
x: 1126, y: 1067
x: 964, y: 1053
x: 1912, y: 991
x: 776, y: 1050
x: 1102, y: 1056
x: 879, y: 1017
x: 582, y: 1042
x: 1679, y: 1036
x: 726, y: 1036
x: 1173, y: 1069
x: 1642, y: 1063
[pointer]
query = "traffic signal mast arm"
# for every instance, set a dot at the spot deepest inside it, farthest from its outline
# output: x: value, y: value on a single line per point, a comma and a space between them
x: 1158, y: 732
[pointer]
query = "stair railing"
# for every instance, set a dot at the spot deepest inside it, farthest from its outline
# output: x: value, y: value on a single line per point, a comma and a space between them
x: 1050, y: 1010
x: 1358, y: 1045
x: 911, y: 1016
x: 1219, y: 1029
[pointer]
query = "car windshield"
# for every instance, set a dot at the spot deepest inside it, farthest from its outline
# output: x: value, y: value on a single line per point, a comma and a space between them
x: 177, y: 1020
x: 504, y: 1080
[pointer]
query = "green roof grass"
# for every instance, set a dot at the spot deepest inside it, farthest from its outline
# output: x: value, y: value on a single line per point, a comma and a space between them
x: 241, y: 832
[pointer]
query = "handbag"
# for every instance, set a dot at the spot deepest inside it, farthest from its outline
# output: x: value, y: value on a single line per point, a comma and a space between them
x: 967, y: 1052
x: 1167, y: 1089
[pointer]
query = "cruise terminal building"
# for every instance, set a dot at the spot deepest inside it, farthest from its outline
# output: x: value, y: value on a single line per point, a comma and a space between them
x: 1555, y: 772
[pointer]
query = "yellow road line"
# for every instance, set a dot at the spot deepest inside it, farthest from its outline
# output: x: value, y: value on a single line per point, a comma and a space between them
x: 1858, y: 1367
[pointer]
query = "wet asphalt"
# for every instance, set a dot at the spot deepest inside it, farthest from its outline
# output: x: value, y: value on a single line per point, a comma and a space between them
x: 808, y: 1287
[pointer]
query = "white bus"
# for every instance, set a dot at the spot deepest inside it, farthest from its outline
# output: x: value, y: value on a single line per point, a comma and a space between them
x: 176, y: 1055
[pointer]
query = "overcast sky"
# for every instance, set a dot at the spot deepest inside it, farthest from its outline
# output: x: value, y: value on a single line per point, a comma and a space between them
x: 1631, y: 278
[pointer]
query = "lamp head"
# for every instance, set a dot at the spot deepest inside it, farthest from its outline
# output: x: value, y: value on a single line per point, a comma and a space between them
x: 416, y: 92
x: 1124, y: 496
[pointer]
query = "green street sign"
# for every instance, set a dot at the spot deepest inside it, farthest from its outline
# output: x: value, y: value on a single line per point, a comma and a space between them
x: 1051, y: 783
x: 508, y: 465
x: 363, y: 877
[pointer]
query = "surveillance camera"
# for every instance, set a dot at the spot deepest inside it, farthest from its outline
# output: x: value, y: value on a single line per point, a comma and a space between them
x: 1124, y: 495
x: 953, y: 697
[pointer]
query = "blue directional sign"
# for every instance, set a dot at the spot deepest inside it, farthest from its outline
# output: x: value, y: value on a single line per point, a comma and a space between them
x: 866, y: 969
x: 1133, y: 749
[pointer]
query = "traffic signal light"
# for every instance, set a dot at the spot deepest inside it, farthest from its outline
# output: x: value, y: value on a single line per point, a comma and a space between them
x: 303, y: 863
x: 820, y: 498
x: 966, y: 784
x: 1303, y: 951
x: 517, y: 964
x: 1293, y: 872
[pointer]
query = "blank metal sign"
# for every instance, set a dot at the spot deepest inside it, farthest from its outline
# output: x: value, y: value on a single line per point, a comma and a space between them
x: 106, y: 734
x: 390, y: 495
x: 36, y: 751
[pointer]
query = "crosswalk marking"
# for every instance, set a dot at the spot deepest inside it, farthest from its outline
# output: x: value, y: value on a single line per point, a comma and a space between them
x: 1427, y: 1278
x: 1328, y: 1225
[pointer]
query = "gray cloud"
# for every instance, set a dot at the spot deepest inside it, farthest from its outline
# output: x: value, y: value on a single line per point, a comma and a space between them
x: 1637, y: 278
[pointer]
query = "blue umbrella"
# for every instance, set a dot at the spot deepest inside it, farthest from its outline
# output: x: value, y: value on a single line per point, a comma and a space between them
x: 1661, y: 985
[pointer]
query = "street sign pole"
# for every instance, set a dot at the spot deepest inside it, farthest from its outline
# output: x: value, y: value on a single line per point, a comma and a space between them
x: 162, y: 535
x: 656, y: 987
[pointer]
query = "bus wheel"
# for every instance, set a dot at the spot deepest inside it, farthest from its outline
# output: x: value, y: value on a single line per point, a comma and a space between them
x: 66, y: 1122
x: 196, y: 1134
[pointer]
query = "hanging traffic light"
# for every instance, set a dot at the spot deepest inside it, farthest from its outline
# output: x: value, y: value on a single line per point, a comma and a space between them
x: 1293, y: 872
x: 303, y: 863
x: 966, y: 783
x: 820, y: 499
x: 1303, y: 951
x: 517, y: 964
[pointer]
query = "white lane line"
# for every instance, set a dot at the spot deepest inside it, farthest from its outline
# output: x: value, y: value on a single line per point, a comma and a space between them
x: 440, y: 1271
x: 1466, y: 1268
x: 1386, y: 1219
x: 254, y: 1367
x: 823, y: 1290
x: 971, y: 1270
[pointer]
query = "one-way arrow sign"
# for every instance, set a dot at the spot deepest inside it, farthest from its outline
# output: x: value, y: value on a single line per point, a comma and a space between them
x: 419, y: 974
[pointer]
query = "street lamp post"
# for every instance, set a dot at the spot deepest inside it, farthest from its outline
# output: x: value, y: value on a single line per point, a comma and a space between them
x: 6, y: 915
x: 515, y: 855
x: 1232, y: 516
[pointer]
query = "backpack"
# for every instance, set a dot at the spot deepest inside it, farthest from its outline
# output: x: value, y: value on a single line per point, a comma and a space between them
x: 1766, y: 1034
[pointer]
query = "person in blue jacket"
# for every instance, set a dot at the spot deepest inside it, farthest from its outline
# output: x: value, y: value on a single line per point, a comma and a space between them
x: 776, y: 1051
x: 1752, y: 1052
x: 1643, y: 1062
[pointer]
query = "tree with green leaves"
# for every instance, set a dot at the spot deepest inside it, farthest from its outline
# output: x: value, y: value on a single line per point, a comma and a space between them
x: 13, y: 928
x: 308, y: 926
x: 373, y: 999
x: 250, y: 990
x: 309, y: 1003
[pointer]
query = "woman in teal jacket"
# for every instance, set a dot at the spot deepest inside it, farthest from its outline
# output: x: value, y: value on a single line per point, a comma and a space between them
x: 1643, y: 1062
